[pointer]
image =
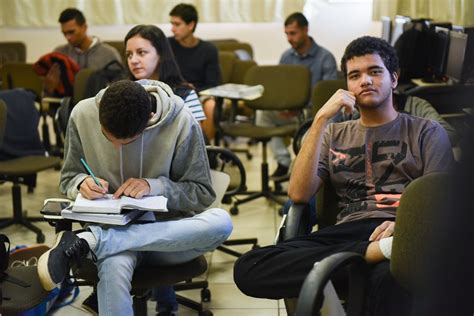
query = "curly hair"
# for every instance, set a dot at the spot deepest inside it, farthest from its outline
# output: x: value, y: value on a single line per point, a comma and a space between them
x: 124, y: 109
x: 370, y: 45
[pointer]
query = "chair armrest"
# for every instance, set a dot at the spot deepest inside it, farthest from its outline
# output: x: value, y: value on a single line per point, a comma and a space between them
x: 311, y: 296
x: 51, y: 212
x: 295, y: 223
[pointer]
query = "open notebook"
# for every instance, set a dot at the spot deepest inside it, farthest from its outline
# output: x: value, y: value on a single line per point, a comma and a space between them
x: 108, y: 205
x: 137, y: 216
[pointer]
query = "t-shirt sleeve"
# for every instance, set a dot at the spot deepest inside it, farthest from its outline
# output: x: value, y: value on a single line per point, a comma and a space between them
x: 422, y: 108
x: 323, y: 168
x: 436, y: 149
x: 195, y: 106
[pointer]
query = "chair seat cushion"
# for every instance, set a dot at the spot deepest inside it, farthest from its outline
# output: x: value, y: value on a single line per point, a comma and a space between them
x: 146, y: 277
x: 27, y: 165
x: 261, y: 133
x: 16, y: 298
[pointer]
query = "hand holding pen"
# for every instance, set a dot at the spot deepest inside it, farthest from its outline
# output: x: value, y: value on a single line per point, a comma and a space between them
x: 92, y: 187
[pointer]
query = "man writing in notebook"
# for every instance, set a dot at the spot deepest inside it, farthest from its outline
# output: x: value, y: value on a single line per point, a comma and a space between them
x: 138, y: 141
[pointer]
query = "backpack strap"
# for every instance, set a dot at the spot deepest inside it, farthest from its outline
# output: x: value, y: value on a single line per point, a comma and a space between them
x: 4, y: 252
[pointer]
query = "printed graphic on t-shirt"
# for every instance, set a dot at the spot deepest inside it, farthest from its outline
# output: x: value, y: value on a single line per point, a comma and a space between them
x: 370, y: 175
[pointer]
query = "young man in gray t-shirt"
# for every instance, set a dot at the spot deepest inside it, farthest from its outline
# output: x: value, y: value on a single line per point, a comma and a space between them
x: 369, y: 162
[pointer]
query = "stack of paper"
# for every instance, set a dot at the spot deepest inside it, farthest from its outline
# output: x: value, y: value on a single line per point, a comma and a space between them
x: 115, y: 211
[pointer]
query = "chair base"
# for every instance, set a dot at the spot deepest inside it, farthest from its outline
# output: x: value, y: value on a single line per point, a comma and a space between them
x: 236, y: 242
x: 18, y: 217
x: 26, y: 222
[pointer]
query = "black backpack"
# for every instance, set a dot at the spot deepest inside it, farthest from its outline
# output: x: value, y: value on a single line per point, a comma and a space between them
x: 412, y: 48
x: 101, y: 78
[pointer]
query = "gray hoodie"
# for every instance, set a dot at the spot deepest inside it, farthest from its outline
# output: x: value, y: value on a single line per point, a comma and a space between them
x: 170, y: 154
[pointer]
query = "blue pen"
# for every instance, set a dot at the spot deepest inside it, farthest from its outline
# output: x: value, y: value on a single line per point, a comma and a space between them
x: 89, y: 171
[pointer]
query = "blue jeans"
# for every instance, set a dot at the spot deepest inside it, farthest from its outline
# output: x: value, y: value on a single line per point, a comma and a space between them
x: 120, y: 249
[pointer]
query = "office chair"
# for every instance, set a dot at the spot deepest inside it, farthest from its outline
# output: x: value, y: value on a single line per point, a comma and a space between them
x: 22, y: 75
x: 16, y: 168
x: 12, y: 52
x: 243, y: 50
x: 120, y: 47
x: 146, y: 278
x: 322, y: 91
x: 224, y: 160
x: 233, y: 70
x: 419, y: 214
x: 286, y: 88
x: 226, y: 65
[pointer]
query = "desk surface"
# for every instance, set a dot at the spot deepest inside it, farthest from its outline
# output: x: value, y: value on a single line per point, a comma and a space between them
x: 420, y: 82
x: 235, y: 91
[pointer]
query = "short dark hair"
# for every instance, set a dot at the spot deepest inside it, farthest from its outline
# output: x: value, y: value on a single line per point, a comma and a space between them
x: 370, y: 45
x: 187, y: 12
x: 168, y: 69
x: 124, y: 109
x: 72, y: 14
x: 297, y: 17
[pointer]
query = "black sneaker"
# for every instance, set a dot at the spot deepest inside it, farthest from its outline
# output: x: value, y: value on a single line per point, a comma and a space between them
x: 91, y: 304
x: 280, y: 171
x: 54, y: 265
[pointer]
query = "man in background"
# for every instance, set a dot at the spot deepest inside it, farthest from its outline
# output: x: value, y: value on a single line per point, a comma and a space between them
x: 197, y: 59
x: 322, y: 65
x: 87, y: 51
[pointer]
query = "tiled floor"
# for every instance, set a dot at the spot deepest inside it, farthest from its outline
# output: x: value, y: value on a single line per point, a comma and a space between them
x: 258, y: 218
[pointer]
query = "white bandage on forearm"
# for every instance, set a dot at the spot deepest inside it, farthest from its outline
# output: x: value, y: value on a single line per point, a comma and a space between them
x: 385, y: 246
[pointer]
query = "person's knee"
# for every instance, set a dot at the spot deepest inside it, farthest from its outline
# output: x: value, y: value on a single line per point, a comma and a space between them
x: 222, y: 223
x: 243, y: 276
x: 248, y: 274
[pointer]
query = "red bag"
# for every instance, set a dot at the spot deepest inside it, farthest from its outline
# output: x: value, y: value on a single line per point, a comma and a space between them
x: 68, y: 68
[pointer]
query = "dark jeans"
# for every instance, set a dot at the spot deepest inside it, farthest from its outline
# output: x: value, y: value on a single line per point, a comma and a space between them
x: 278, y: 271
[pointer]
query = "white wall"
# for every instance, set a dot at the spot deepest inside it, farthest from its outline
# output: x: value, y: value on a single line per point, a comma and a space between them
x: 333, y: 24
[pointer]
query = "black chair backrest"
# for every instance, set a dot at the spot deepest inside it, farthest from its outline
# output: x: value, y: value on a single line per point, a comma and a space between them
x: 21, y: 137
x: 224, y: 160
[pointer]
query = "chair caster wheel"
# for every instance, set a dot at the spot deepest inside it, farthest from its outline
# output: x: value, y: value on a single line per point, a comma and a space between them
x: 249, y: 156
x: 40, y: 238
x: 234, y: 210
x: 205, y: 313
x: 205, y: 295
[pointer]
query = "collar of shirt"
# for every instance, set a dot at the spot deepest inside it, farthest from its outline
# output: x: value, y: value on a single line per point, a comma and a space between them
x: 311, y: 52
x: 95, y: 40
